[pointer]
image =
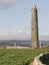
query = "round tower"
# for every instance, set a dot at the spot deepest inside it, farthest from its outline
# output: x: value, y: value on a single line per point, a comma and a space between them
x: 34, y: 28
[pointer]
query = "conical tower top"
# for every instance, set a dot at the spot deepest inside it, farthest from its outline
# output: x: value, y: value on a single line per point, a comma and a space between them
x: 34, y: 6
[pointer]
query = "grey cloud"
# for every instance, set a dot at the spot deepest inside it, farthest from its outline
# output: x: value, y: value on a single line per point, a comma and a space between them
x: 9, y: 3
x: 18, y: 33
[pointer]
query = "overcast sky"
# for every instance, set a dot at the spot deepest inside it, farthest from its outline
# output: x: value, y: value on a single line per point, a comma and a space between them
x: 15, y: 18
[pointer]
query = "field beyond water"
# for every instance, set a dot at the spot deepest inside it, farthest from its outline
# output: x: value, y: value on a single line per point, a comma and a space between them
x: 19, y: 56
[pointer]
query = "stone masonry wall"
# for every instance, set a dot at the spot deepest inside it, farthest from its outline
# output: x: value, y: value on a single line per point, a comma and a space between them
x: 40, y: 59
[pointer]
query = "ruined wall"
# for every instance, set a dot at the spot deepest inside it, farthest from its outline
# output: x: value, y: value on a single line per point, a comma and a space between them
x: 40, y: 59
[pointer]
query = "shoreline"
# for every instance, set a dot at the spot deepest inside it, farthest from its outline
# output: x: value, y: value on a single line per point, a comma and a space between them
x: 14, y: 47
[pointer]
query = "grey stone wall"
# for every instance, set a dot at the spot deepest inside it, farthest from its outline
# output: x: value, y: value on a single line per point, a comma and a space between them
x: 40, y: 59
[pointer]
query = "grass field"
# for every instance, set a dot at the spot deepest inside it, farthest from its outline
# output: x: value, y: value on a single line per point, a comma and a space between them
x: 19, y: 56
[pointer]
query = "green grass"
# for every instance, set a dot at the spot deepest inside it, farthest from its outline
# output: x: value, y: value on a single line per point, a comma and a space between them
x: 19, y: 56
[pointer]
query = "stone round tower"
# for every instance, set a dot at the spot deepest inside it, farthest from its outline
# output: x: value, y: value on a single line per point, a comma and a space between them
x: 34, y: 28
